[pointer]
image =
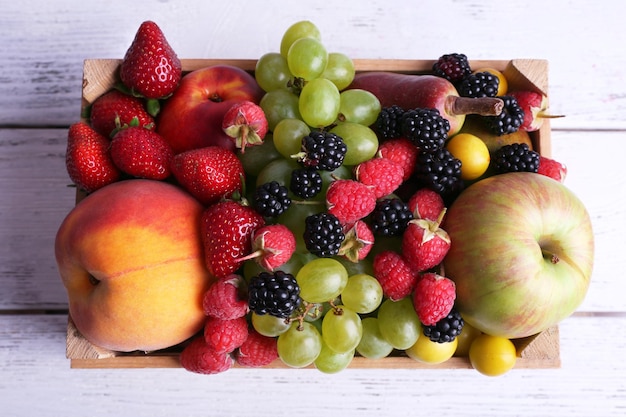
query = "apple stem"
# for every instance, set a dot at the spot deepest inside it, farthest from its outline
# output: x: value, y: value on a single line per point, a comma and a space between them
x: 553, y: 257
x: 484, y: 106
x: 549, y: 116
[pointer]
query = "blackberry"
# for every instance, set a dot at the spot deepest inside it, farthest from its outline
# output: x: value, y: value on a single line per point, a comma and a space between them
x: 305, y: 182
x: 453, y: 67
x: 515, y: 157
x: 510, y: 120
x: 271, y: 199
x: 388, y: 124
x: 426, y: 128
x: 390, y: 217
x: 323, y: 234
x: 322, y: 151
x: 480, y: 84
x: 439, y: 171
x: 276, y: 294
x: 446, y: 329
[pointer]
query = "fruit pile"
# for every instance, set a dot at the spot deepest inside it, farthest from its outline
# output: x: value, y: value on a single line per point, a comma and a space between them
x: 325, y: 194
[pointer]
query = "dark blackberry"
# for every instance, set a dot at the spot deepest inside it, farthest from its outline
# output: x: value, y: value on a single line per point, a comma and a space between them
x: 515, y: 157
x: 510, y: 120
x: 446, y: 329
x: 426, y: 128
x: 323, y: 234
x: 480, y: 84
x: 439, y: 171
x: 305, y: 182
x: 453, y: 67
x: 390, y: 217
x: 274, y: 293
x: 271, y: 199
x: 388, y: 125
x: 322, y: 150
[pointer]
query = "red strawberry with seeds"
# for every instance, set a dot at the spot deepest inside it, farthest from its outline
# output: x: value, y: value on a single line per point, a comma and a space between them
x: 383, y: 175
x: 88, y: 160
x: 424, y: 243
x: 150, y: 67
x: 142, y: 153
x: 116, y: 109
x: 200, y: 358
x: 246, y: 123
x: 209, y: 174
x: 426, y: 204
x: 272, y: 246
x: 403, y: 152
x: 226, y: 298
x: 433, y: 298
x: 225, y: 335
x: 257, y: 350
x: 394, y: 275
x: 349, y: 200
x: 227, y: 228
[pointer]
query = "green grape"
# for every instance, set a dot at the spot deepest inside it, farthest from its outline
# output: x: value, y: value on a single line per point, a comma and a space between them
x: 278, y: 105
x: 307, y: 58
x: 300, y: 345
x: 278, y: 170
x: 339, y: 70
x: 359, y: 106
x: 288, y: 135
x: 399, y: 323
x: 255, y: 158
x: 361, y: 141
x: 294, y: 218
x: 342, y: 329
x: 321, y: 279
x: 331, y: 362
x: 319, y: 103
x: 272, y: 72
x: 269, y: 325
x: 363, y: 293
x: 301, y: 29
x: 364, y: 266
x: 373, y: 345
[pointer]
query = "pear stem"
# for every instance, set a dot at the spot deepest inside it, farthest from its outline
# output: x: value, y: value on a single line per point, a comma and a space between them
x: 484, y: 106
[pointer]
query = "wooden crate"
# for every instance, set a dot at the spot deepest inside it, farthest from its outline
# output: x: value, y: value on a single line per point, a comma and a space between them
x: 539, y: 351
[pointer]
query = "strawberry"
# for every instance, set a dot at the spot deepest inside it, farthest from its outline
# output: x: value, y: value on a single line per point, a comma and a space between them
x: 142, y: 153
x: 116, y: 109
x: 424, y: 243
x: 209, y: 174
x: 394, y: 274
x: 257, y: 350
x: 200, y: 358
x: 226, y: 298
x: 403, y: 152
x: 433, y: 298
x: 349, y: 200
x: 150, y: 67
x: 246, y: 123
x: 383, y: 175
x: 552, y: 168
x: 358, y: 241
x: 272, y: 246
x: 225, y: 335
x: 227, y: 228
x: 426, y: 204
x: 87, y: 160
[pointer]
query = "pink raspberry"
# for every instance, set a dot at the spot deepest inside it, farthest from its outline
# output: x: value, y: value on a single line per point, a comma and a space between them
x: 394, y: 275
x: 358, y: 241
x: 403, y: 152
x: 433, y: 298
x: 225, y: 298
x: 272, y: 246
x: 382, y: 174
x: 552, y: 168
x: 426, y: 204
x: 350, y: 200
x: 257, y: 350
x: 198, y: 357
x: 224, y: 336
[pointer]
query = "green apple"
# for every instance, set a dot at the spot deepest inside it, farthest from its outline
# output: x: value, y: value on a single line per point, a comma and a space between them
x: 521, y: 255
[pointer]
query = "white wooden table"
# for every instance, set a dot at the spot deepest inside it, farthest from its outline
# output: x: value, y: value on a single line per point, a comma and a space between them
x: 43, y: 46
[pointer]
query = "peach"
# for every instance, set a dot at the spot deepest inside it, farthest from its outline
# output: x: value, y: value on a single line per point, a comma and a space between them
x: 131, y: 259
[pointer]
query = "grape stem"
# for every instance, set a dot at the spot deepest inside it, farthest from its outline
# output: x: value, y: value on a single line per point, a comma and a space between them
x: 484, y: 106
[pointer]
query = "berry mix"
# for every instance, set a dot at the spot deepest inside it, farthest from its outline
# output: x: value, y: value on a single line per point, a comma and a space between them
x: 326, y: 217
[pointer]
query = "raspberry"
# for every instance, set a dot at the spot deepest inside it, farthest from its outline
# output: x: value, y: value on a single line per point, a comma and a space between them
x: 480, y: 84
x: 446, y: 329
x: 390, y: 217
x: 276, y: 294
x: 305, y: 182
x: 510, y: 120
x: 358, y: 241
x: 388, y: 124
x: 257, y: 350
x: 453, y: 67
x: 198, y: 357
x: 433, y: 298
x: 425, y: 244
x: 516, y: 157
x: 403, y: 152
x: 426, y: 128
x: 272, y: 246
x: 322, y: 150
x: 350, y: 200
x: 271, y: 199
x: 383, y: 175
x: 552, y: 168
x: 323, y: 234
x: 426, y: 204
x: 224, y: 336
x: 394, y: 275
x: 224, y: 299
